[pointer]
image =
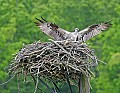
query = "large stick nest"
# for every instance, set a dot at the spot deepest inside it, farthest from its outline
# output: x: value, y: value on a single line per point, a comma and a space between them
x: 53, y: 59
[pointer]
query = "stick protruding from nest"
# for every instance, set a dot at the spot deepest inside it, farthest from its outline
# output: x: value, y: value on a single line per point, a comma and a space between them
x: 53, y: 59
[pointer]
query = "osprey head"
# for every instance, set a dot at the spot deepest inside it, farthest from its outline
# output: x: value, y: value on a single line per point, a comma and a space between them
x: 76, y: 29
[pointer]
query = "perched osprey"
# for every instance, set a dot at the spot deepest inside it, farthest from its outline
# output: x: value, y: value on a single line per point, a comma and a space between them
x: 59, y: 34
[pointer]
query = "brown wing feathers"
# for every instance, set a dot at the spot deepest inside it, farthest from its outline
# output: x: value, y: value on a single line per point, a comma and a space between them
x: 51, y: 29
x: 54, y: 26
x: 57, y: 33
x: 100, y: 27
x: 51, y: 25
x: 95, y: 30
x: 43, y: 19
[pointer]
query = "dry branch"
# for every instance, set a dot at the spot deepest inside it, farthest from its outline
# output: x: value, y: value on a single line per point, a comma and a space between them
x: 53, y: 59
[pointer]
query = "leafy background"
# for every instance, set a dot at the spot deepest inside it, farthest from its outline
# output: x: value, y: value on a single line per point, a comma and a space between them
x: 17, y: 27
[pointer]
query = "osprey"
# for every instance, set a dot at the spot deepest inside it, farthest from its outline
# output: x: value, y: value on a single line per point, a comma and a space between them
x: 59, y: 34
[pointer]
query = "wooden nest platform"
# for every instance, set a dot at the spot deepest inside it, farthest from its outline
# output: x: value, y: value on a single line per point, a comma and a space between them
x: 56, y: 60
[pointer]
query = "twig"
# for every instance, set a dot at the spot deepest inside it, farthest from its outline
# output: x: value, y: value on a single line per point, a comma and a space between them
x: 80, y: 85
x: 67, y: 77
x: 8, y: 80
x: 36, y: 82
x: 59, y: 46
x: 18, y: 81
x: 52, y: 91
x: 56, y: 87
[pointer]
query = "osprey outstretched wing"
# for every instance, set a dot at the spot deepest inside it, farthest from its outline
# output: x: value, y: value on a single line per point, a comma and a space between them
x: 52, y: 30
x: 93, y: 30
x: 57, y: 33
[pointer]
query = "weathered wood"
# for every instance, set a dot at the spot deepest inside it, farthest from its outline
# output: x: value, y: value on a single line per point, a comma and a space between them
x: 51, y: 60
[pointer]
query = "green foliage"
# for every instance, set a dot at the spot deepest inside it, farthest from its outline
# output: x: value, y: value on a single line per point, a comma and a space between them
x: 17, y: 27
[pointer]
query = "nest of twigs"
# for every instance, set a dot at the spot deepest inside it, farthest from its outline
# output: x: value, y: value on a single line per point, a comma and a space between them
x: 54, y: 59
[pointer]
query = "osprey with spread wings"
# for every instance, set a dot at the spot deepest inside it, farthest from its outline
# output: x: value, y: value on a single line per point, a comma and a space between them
x: 59, y: 34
